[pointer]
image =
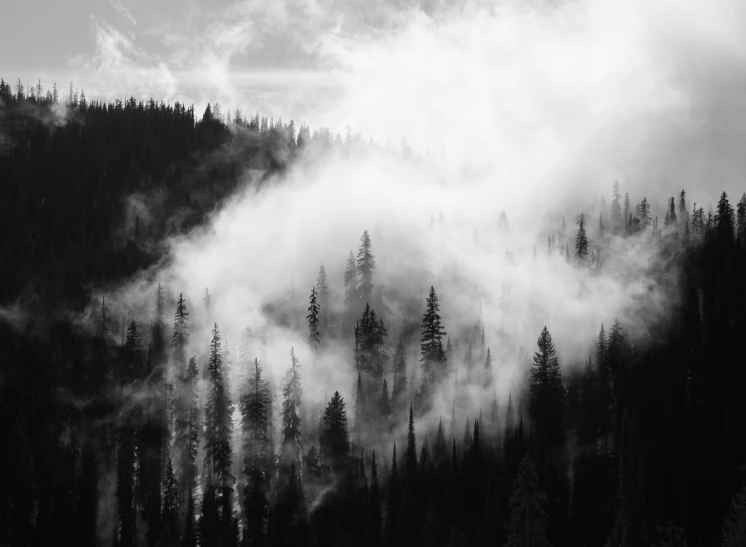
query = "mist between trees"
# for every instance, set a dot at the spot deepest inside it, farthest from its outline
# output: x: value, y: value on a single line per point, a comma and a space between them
x: 248, y: 336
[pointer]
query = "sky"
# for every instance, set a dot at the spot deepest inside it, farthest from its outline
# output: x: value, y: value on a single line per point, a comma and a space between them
x: 650, y: 93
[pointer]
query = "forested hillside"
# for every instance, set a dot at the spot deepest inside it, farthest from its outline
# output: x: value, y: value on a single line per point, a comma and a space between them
x: 150, y: 428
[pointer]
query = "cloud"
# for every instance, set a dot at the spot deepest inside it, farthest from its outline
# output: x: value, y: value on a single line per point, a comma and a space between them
x: 124, y: 12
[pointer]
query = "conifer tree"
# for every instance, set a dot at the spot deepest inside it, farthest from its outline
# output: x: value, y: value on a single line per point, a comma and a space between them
x: 364, y: 268
x: 433, y: 355
x: 187, y: 428
x: 488, y: 372
x: 256, y: 507
x: 291, y: 393
x: 180, y: 337
x: 399, y: 391
x: 741, y: 221
x: 170, y: 513
x: 616, y: 209
x: 724, y: 219
x: 324, y: 299
x: 218, y: 421
x: 255, y: 422
x: 627, y: 212
x: 601, y: 227
x: 350, y: 283
x: 313, y: 321
x: 440, y: 449
x: 528, y: 519
x: 547, y: 393
x: 410, y: 456
x: 335, y: 443
x: 581, y: 241
x: 643, y: 212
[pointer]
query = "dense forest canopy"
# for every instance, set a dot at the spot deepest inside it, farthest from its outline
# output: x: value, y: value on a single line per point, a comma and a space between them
x: 222, y: 330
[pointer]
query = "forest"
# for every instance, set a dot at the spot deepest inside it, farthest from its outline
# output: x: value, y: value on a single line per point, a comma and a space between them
x: 379, y: 416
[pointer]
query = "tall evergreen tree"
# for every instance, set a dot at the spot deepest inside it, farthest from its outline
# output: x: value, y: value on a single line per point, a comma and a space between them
x: 616, y: 209
x: 125, y: 489
x: 292, y: 393
x: 410, y: 456
x: 433, y: 355
x: 170, y: 512
x: 488, y: 372
x: 375, y: 520
x: 218, y: 421
x: 528, y: 519
x: 187, y: 430
x: 255, y: 423
x: 581, y: 241
x: 180, y: 336
x: 364, y: 268
x: 399, y: 391
x: 547, y: 394
x: 335, y: 444
x: 313, y: 321
x: 324, y: 299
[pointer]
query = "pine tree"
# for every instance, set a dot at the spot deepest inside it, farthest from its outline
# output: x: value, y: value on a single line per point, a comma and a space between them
x: 254, y: 406
x: 399, y: 391
x: 364, y: 268
x: 488, y: 372
x: 616, y: 209
x: 601, y: 227
x: 440, y: 449
x: 324, y: 299
x: 350, y: 282
x: 433, y: 356
x: 218, y: 411
x: 335, y: 443
x: 547, y: 392
x: 313, y: 321
x: 528, y: 519
x: 170, y: 512
x: 724, y: 219
x: 643, y: 212
x: 180, y: 337
x: 291, y: 393
x: 741, y: 221
x: 410, y: 456
x: 187, y: 429
x: 627, y: 212
x: 581, y: 241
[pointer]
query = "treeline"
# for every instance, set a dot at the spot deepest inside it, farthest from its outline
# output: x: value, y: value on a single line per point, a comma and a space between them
x: 69, y: 165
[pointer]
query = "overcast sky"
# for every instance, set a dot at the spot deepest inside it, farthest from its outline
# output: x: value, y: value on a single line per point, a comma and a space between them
x: 650, y: 92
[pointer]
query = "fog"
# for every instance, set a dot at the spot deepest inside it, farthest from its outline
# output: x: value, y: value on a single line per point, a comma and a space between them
x: 534, y: 109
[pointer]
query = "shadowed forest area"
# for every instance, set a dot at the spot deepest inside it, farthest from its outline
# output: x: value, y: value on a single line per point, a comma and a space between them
x: 154, y: 430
